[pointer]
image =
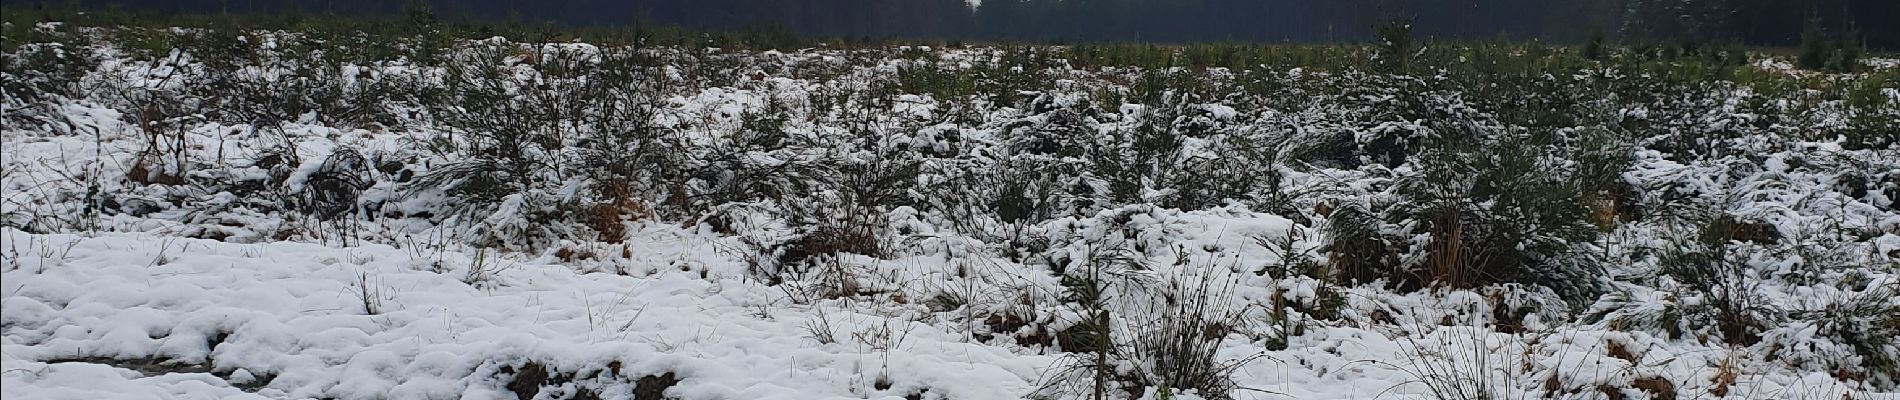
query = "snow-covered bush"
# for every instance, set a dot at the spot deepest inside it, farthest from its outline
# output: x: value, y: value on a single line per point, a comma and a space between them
x: 1134, y: 330
x: 1477, y: 206
x: 50, y: 63
x: 515, y: 114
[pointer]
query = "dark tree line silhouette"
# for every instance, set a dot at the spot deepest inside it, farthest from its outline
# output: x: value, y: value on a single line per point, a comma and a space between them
x: 1754, y: 22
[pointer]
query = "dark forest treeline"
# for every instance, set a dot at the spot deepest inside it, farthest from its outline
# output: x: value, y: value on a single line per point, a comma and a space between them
x: 1753, y: 22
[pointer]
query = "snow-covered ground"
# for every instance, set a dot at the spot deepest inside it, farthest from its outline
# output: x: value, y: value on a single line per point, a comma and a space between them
x: 141, y: 316
x: 123, y: 276
x: 292, y: 318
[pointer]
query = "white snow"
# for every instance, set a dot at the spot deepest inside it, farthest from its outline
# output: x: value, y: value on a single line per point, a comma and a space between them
x: 126, y: 306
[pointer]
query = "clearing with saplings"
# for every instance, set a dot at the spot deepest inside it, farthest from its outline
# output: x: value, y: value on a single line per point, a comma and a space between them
x: 325, y: 213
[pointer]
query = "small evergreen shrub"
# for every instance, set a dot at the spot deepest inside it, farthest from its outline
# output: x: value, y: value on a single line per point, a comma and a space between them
x: 1475, y: 208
